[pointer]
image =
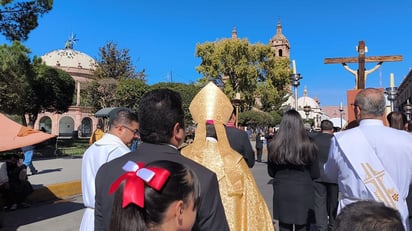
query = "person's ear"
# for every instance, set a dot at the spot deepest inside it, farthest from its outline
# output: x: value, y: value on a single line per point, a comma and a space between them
x: 176, y: 132
x: 179, y: 207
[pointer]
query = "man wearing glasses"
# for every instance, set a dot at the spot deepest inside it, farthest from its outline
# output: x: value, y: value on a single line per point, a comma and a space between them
x: 123, y: 129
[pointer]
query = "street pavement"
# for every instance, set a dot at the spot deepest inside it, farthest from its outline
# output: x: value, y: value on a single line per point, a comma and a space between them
x: 57, y: 201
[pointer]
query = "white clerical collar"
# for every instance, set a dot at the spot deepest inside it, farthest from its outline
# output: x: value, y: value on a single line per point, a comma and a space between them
x: 211, y: 139
x: 171, y: 145
x: 370, y: 122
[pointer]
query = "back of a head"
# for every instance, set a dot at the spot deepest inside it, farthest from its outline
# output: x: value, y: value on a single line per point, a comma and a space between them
x: 326, y: 125
x: 181, y: 185
x: 292, y: 144
x: 397, y: 120
x: 371, y: 101
x: 368, y: 216
x: 159, y: 111
x: 122, y: 116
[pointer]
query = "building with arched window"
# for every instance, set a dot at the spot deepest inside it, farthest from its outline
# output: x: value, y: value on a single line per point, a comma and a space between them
x: 79, y: 120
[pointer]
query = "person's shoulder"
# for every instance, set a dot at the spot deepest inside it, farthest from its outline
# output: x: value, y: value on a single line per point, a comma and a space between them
x: 235, y: 131
x: 321, y: 136
x: 116, y: 163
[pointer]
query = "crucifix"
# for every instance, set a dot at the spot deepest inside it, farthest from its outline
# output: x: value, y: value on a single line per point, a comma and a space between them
x: 361, y: 74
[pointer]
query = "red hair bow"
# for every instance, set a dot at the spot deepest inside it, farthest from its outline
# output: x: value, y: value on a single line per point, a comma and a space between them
x: 136, y: 176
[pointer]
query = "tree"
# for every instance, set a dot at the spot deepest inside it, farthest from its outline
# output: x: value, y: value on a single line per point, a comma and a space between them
x: 28, y: 88
x: 52, y: 91
x: 18, y: 19
x: 101, y: 93
x: 129, y: 92
x: 249, y: 69
x: 116, y: 64
x: 186, y: 91
x: 112, y: 72
x: 256, y: 119
x: 16, y: 77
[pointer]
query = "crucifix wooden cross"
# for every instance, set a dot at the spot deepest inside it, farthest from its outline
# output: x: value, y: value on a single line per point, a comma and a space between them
x: 361, y: 73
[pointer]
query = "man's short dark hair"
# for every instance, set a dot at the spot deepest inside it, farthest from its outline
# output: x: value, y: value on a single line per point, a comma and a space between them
x: 326, y: 125
x: 368, y: 216
x: 122, y: 116
x: 159, y: 111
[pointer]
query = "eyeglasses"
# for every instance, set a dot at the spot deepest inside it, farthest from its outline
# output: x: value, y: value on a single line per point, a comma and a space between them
x: 135, y: 131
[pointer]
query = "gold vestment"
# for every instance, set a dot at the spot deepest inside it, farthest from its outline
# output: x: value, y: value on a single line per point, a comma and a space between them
x: 244, y: 205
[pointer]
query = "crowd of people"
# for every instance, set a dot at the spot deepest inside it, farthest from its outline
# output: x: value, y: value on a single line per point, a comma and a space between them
x: 207, y: 185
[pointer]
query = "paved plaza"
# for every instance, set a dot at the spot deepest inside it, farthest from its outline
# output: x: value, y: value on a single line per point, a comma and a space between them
x: 60, y: 178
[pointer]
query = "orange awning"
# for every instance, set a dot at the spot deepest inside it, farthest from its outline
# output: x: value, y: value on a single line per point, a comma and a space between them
x: 14, y: 135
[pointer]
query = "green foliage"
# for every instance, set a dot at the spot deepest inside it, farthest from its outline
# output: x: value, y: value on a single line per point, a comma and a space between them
x: 31, y: 88
x: 18, y: 18
x: 116, y: 63
x: 101, y: 93
x: 16, y: 77
x: 53, y: 88
x: 187, y: 92
x: 129, y: 92
x: 116, y: 82
x: 250, y: 69
x: 255, y: 119
x: 277, y: 117
x: 273, y: 90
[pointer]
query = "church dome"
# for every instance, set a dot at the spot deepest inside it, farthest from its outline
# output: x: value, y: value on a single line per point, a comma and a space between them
x: 69, y: 58
x: 307, y: 101
x: 279, y: 38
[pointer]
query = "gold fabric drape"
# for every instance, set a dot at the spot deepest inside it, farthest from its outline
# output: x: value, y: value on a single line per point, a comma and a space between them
x: 244, y: 205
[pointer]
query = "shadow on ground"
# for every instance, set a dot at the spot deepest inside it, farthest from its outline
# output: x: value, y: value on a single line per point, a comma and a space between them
x: 12, y: 220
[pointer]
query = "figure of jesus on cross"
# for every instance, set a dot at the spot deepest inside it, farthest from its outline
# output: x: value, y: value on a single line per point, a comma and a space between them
x: 361, y: 74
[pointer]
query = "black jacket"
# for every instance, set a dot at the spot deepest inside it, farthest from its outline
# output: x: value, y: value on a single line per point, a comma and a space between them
x: 210, y: 214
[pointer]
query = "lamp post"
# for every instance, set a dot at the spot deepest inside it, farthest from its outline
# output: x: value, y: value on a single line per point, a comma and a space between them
x: 341, y: 115
x: 407, y: 108
x: 236, y: 101
x: 294, y: 81
x: 392, y: 91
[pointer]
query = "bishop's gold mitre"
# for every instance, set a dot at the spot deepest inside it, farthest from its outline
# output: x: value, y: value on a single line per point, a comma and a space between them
x: 211, y: 104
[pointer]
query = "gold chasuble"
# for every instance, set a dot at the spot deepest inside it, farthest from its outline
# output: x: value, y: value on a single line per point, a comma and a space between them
x: 244, y: 205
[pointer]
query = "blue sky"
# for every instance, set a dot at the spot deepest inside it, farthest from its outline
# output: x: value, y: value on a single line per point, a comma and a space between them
x: 162, y: 35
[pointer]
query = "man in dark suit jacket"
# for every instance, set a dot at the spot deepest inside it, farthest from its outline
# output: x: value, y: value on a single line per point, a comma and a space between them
x: 239, y: 140
x: 326, y: 192
x: 161, y: 128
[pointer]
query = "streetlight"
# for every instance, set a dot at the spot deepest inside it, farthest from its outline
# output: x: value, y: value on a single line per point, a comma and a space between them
x: 392, y: 91
x: 341, y: 115
x: 236, y: 101
x: 407, y: 108
x: 294, y: 81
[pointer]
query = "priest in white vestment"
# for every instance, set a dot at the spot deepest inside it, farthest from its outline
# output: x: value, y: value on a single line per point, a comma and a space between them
x: 123, y: 129
x: 372, y: 161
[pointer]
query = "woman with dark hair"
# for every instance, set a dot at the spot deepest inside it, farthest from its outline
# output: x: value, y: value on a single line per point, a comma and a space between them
x: 162, y: 195
x: 292, y: 164
x: 397, y: 120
